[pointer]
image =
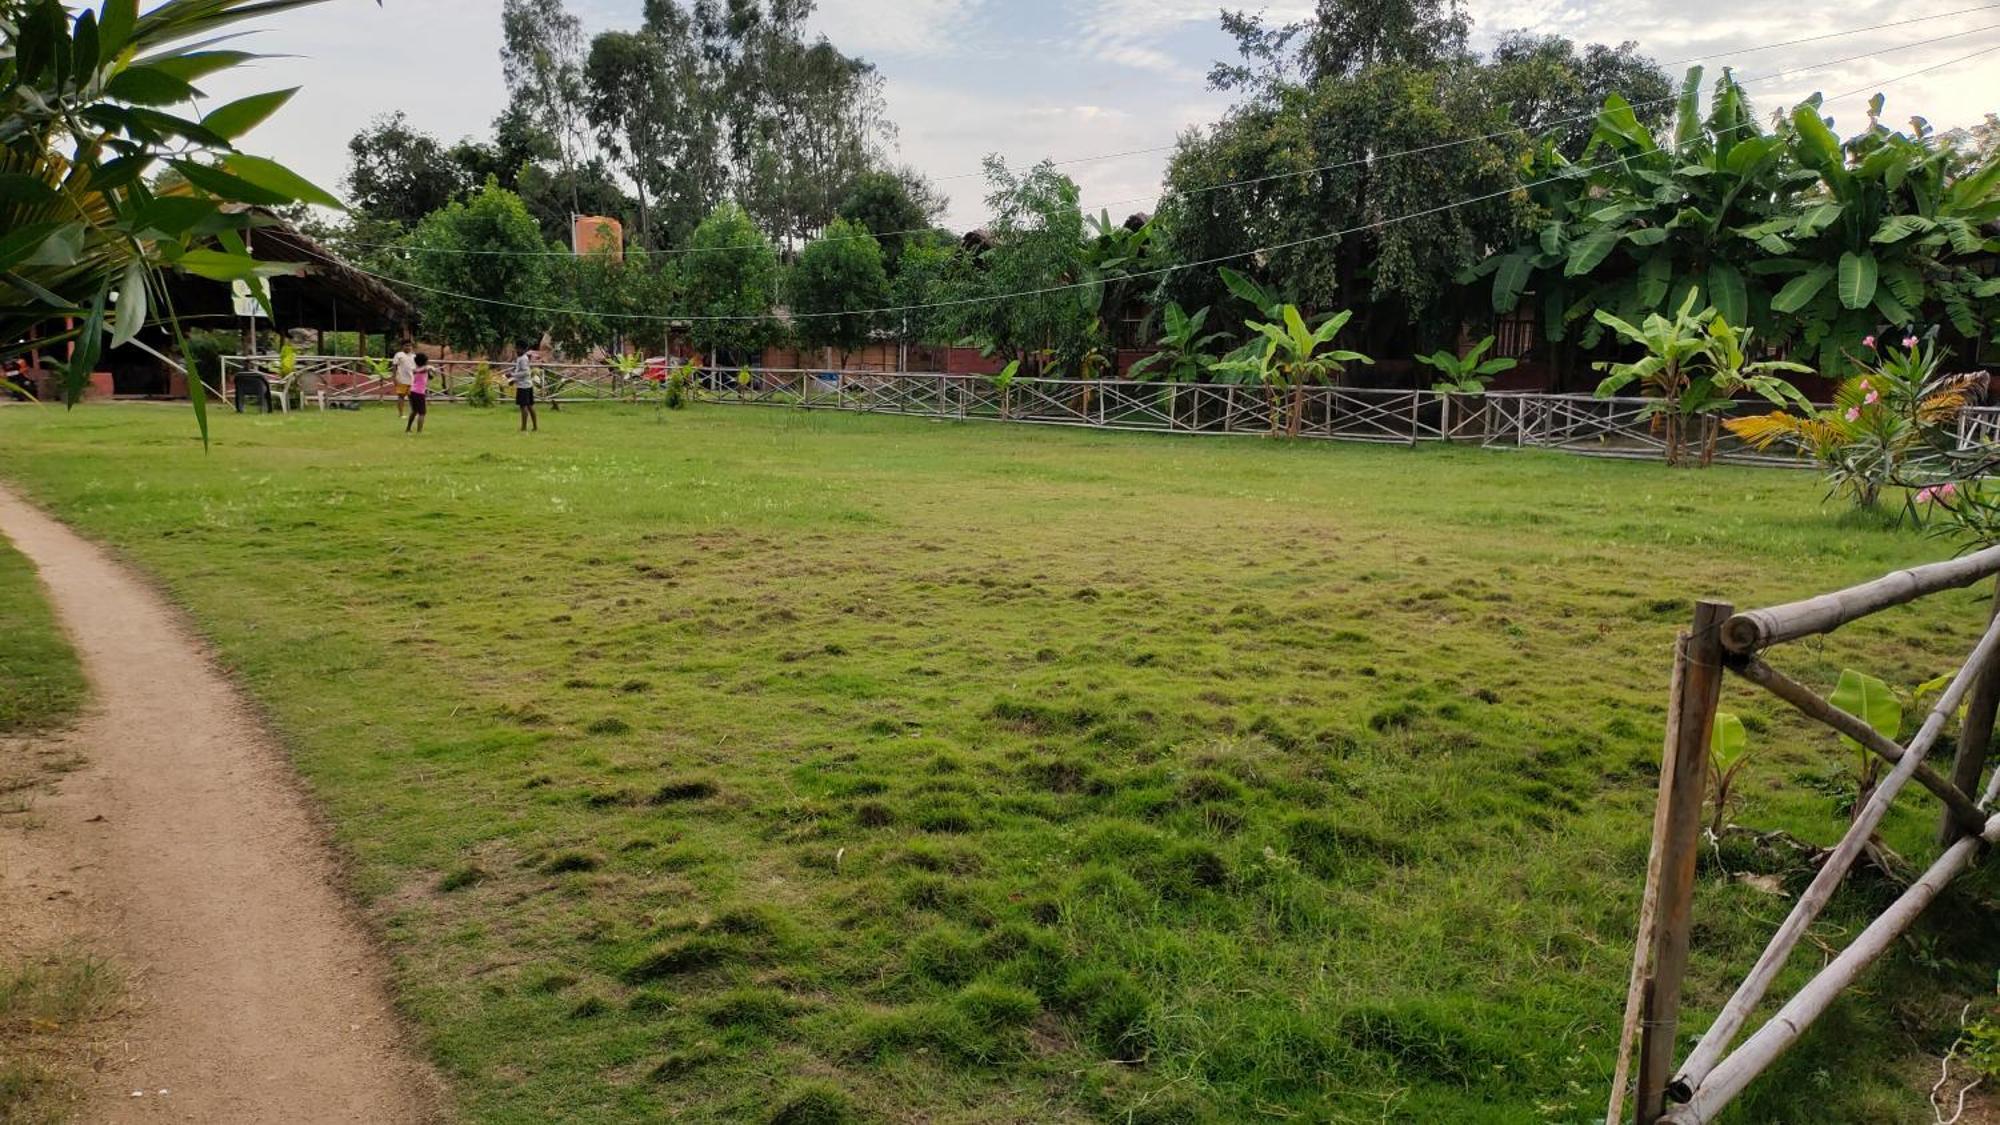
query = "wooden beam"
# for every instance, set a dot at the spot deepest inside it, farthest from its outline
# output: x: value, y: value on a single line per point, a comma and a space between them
x: 1640, y: 984
x: 1692, y: 717
x: 1762, y: 628
x: 1716, y: 1040
x: 1736, y: 1072
x: 1975, y: 737
x: 1960, y: 809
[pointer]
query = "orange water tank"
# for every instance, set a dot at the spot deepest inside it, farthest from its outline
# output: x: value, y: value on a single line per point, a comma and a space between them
x: 597, y: 234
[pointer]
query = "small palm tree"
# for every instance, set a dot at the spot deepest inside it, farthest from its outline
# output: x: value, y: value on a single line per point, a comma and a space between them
x: 1183, y: 355
x: 1294, y: 357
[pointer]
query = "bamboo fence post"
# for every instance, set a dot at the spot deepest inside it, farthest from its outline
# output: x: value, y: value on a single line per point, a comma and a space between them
x: 1762, y: 1049
x: 1958, y: 801
x: 1637, y: 987
x: 1692, y: 718
x: 1715, y: 1042
x: 1975, y: 735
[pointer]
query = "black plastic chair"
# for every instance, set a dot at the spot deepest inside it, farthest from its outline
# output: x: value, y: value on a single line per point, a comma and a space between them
x: 255, y: 387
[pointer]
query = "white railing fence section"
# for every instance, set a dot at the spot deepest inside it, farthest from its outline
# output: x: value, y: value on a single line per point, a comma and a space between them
x: 1604, y: 427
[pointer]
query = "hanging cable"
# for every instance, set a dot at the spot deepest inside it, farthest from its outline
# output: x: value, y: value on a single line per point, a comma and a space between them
x: 1439, y: 146
x: 1569, y: 172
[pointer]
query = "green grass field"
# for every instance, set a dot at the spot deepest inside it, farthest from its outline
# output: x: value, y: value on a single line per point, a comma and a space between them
x: 41, y: 685
x: 755, y: 765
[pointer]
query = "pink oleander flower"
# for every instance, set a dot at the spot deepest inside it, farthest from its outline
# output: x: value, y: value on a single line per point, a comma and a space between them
x: 1873, y: 398
x: 1926, y: 496
x: 1866, y: 386
x: 1948, y: 491
x: 1868, y: 341
x: 1854, y: 414
x: 1909, y: 341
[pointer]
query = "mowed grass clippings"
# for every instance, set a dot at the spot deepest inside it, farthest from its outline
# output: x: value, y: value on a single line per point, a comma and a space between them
x: 764, y: 766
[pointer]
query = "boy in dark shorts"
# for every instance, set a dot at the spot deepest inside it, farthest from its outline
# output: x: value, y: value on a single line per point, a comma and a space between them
x: 420, y: 391
x: 522, y: 375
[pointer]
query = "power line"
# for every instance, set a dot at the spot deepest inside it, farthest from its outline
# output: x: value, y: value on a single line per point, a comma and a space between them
x: 1569, y: 172
x: 1435, y: 147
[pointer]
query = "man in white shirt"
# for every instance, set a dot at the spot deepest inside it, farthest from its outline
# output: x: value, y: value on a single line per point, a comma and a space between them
x: 405, y: 365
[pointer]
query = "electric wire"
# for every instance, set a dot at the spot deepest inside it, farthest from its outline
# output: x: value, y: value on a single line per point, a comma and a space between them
x: 1569, y: 172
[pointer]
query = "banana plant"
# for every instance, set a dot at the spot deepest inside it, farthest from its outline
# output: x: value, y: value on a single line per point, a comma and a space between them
x: 1003, y: 381
x: 1183, y: 355
x: 1874, y: 703
x: 111, y: 175
x: 1467, y: 374
x: 1670, y: 371
x: 1729, y: 751
x: 1294, y: 357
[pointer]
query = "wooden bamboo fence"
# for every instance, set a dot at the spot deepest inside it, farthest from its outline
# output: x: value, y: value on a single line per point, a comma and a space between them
x: 1723, y: 641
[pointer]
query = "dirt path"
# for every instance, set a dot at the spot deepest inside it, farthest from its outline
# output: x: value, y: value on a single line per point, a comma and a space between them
x: 187, y: 844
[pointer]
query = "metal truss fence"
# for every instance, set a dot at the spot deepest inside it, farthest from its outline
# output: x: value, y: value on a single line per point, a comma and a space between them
x: 1585, y: 424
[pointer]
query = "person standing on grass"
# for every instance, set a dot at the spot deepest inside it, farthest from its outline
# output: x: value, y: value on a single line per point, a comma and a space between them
x: 523, y: 377
x: 420, y: 390
x: 405, y: 366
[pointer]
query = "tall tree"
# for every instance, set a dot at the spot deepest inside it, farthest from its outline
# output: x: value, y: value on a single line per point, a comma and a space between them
x: 1037, y: 242
x: 401, y: 174
x: 1551, y: 86
x: 893, y: 206
x: 837, y: 288
x: 542, y: 57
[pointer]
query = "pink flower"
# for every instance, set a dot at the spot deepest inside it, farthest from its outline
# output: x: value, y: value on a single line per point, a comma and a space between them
x: 1873, y: 398
x: 1854, y: 414
x: 1927, y: 495
x: 1868, y: 341
x: 1865, y: 386
x: 1948, y: 491
x: 1909, y: 341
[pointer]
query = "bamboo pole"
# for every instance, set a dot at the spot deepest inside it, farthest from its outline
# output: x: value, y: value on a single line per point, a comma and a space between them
x: 1639, y: 984
x: 1750, y: 993
x: 1693, y: 717
x: 1975, y: 736
x: 1960, y: 807
x: 1736, y: 1072
x: 1761, y: 628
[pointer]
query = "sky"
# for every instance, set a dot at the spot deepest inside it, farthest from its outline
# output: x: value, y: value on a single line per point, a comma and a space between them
x: 1074, y: 79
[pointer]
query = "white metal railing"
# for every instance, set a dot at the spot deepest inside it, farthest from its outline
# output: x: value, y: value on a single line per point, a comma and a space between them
x: 1576, y: 423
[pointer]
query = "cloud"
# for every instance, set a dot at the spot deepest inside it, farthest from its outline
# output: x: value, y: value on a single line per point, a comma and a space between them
x: 891, y: 28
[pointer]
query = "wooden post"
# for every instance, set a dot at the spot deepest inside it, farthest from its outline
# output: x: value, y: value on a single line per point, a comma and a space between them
x: 1691, y: 718
x: 1975, y: 735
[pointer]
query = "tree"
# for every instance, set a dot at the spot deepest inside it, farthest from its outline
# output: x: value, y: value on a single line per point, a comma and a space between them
x: 1037, y: 243
x: 839, y: 273
x: 930, y: 260
x: 400, y: 174
x: 86, y: 105
x: 892, y: 206
x: 1552, y: 88
x: 481, y: 262
x: 728, y: 281
x: 542, y: 60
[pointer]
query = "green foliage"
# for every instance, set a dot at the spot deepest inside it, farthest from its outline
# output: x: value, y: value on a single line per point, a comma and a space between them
x: 484, y: 389
x: 490, y: 250
x: 840, y: 273
x: 1890, y: 425
x: 1729, y: 751
x: 1694, y: 366
x: 1294, y: 357
x: 1183, y: 355
x: 107, y: 185
x: 1874, y: 703
x: 1038, y: 242
x: 731, y: 271
x: 400, y: 174
x: 41, y: 683
x: 892, y: 205
x: 1467, y: 374
x: 1812, y: 241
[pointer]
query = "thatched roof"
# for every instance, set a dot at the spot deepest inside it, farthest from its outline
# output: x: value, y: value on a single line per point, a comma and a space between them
x: 330, y: 294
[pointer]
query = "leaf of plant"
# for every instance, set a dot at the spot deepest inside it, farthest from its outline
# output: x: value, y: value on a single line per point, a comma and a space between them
x: 1727, y: 740
x: 1588, y: 252
x: 1858, y: 276
x: 145, y: 85
x: 244, y: 114
x: 1800, y: 291
x: 1726, y: 290
x: 1870, y: 700
x: 273, y: 176
x: 131, y: 314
